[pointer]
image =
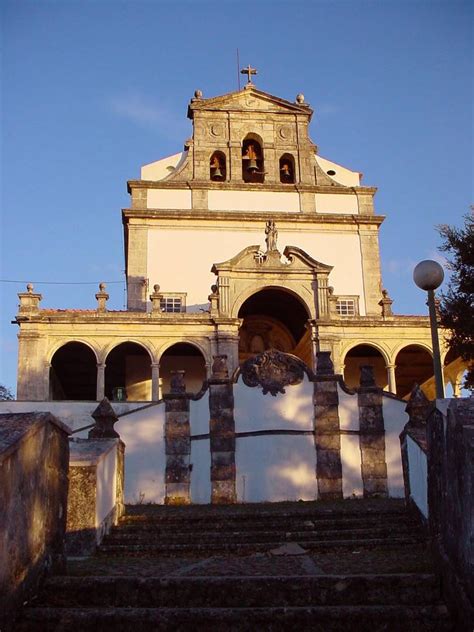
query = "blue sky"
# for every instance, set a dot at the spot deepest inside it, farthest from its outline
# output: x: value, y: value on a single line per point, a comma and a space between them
x: 92, y: 90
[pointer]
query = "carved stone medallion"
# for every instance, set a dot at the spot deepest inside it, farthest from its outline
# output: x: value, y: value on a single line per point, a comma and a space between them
x: 216, y: 129
x: 272, y: 370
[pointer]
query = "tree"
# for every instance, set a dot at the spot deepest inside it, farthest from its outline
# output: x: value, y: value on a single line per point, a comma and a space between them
x: 457, y: 303
x: 5, y: 394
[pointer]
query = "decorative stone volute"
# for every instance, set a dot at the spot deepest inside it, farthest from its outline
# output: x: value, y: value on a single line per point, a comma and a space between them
x: 29, y: 301
x: 177, y: 383
x: 418, y: 407
x: 105, y: 418
x: 102, y: 298
x: 324, y: 364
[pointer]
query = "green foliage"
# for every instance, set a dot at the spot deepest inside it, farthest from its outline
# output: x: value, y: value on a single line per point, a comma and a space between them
x: 457, y: 303
x: 5, y: 394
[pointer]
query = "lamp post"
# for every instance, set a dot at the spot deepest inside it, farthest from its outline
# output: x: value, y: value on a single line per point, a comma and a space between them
x: 428, y: 275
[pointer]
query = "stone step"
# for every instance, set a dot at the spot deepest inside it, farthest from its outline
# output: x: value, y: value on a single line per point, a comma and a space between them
x: 312, y: 510
x: 244, y: 536
x: 272, y: 522
x: 395, y: 618
x: 170, y: 549
x: 238, y: 591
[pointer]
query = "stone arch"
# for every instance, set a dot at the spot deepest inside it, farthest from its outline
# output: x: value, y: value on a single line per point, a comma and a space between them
x: 73, y: 372
x: 218, y: 166
x: 413, y: 365
x: 287, y: 171
x: 52, y: 350
x: 273, y: 318
x: 365, y: 353
x: 114, y: 344
x: 253, y: 160
x: 128, y: 372
x: 184, y: 356
x: 240, y: 299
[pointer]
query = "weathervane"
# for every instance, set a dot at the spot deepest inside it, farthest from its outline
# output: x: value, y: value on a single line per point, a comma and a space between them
x: 249, y: 71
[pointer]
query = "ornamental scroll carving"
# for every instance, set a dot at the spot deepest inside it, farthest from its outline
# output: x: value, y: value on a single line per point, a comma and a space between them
x: 272, y: 370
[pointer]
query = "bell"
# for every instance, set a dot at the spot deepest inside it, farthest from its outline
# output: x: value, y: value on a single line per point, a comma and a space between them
x: 252, y: 165
x: 217, y: 173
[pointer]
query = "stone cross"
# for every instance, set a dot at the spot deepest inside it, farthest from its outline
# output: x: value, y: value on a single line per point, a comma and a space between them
x: 249, y: 71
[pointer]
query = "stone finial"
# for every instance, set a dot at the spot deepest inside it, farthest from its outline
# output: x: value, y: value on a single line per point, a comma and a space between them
x: 214, y: 300
x: 105, y: 418
x: 300, y: 98
x: 29, y: 300
x: 417, y: 407
x: 102, y: 298
x: 367, y: 376
x: 198, y: 94
x: 177, y: 383
x: 324, y: 364
x: 155, y: 299
x: 219, y: 367
x: 386, y: 304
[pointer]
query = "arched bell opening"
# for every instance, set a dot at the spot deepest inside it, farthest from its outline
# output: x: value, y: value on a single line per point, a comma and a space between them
x: 252, y: 160
x: 360, y: 355
x: 287, y: 169
x: 73, y: 373
x: 274, y: 319
x: 414, y: 365
x: 128, y: 373
x: 217, y: 167
x: 183, y: 356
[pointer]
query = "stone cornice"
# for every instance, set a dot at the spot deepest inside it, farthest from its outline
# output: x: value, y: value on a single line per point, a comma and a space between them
x: 251, y: 216
x: 245, y: 186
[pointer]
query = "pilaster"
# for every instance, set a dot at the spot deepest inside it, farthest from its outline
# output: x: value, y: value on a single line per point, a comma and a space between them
x: 177, y: 443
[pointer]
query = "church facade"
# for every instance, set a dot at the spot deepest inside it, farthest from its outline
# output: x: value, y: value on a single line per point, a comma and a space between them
x: 247, y: 240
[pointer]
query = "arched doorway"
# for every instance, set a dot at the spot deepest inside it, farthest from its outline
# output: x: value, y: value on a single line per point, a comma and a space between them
x: 414, y: 365
x: 73, y: 373
x: 183, y: 356
x: 128, y: 373
x: 274, y: 319
x: 361, y: 355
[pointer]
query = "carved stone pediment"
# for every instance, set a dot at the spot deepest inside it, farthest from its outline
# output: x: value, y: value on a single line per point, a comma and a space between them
x: 252, y: 258
x: 249, y: 99
x: 272, y: 370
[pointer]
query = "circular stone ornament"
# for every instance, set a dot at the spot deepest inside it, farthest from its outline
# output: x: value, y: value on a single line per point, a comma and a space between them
x: 216, y: 129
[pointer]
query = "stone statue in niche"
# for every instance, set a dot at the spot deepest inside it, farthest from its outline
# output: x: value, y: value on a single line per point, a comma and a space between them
x: 271, y: 236
x: 272, y: 370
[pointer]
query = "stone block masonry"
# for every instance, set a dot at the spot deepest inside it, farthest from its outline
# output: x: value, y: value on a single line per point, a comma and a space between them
x: 34, y: 456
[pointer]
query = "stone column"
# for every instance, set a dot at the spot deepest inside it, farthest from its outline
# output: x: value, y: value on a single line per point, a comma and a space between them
x: 177, y: 442
x: 327, y: 436
x: 372, y: 435
x: 392, y: 382
x: 155, y: 382
x: 100, y: 388
x: 222, y: 433
x: 313, y: 330
x: 46, y: 378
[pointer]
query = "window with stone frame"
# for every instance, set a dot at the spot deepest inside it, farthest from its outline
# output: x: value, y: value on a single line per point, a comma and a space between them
x: 173, y: 303
x: 347, y: 306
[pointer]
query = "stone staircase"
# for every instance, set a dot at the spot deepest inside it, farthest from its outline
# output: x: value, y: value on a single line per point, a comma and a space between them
x: 349, y: 565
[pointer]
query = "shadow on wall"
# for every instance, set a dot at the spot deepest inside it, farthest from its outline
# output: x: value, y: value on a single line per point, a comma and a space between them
x: 145, y: 458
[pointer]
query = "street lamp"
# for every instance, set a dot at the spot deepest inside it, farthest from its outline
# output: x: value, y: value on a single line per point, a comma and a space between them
x: 428, y: 275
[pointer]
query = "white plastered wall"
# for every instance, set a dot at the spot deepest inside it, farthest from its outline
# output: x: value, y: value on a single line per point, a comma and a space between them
x: 418, y: 475
x: 203, y: 247
x: 254, y: 201
x: 143, y: 433
x: 106, y: 485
